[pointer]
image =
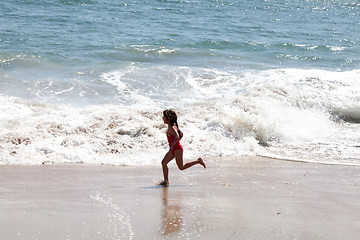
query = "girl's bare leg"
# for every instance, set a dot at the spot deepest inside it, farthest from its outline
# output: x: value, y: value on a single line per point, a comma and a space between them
x: 180, y: 161
x: 168, y: 157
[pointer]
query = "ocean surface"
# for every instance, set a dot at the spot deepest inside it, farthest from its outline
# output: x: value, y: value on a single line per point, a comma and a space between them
x: 86, y: 81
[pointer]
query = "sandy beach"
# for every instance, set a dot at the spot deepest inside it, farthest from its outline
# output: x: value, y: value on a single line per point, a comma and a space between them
x: 250, y: 198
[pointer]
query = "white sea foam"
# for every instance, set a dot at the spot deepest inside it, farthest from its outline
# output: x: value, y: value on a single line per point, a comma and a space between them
x: 39, y: 133
x: 281, y: 107
x: 335, y: 48
x: 152, y: 50
x: 299, y: 114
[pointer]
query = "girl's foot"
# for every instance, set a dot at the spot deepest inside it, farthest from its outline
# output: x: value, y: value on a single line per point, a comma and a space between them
x: 164, y: 183
x: 201, y: 162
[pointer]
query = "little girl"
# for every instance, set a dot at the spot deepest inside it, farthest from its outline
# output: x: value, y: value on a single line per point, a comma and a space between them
x: 174, y: 136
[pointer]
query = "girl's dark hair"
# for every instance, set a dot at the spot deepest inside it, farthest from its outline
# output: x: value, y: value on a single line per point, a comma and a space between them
x: 172, y: 117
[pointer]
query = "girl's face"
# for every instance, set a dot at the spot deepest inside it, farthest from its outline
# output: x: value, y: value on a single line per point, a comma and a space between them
x: 166, y: 121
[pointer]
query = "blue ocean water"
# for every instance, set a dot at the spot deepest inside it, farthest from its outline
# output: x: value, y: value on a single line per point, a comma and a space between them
x: 74, y: 76
x: 217, y: 34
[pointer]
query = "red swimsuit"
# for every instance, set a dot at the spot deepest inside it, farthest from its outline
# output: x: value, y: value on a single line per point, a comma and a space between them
x: 177, y: 146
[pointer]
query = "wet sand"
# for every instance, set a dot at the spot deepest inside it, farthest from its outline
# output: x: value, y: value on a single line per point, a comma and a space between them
x: 243, y: 198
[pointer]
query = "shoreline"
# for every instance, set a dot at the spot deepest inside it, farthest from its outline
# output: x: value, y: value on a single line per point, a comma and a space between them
x: 244, y: 198
x: 226, y: 158
x: 308, y: 161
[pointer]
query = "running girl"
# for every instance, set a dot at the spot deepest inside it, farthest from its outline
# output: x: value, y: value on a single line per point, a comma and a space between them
x: 174, y: 136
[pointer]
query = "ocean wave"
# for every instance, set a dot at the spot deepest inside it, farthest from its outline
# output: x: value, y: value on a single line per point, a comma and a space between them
x: 151, y: 49
x: 38, y: 133
x: 266, y: 46
x: 229, y: 45
x: 350, y: 114
x: 311, y: 47
x: 232, y: 113
x: 19, y: 59
x: 298, y: 57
